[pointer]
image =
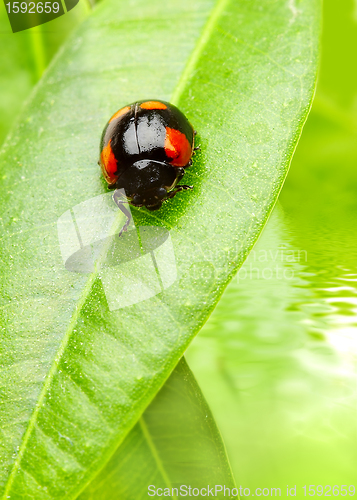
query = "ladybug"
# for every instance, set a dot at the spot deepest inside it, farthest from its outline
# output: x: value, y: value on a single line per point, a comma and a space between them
x: 144, y: 150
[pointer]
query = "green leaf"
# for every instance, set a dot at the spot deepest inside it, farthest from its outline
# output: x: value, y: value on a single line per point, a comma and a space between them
x: 75, y: 374
x: 176, y: 442
x: 26, y: 56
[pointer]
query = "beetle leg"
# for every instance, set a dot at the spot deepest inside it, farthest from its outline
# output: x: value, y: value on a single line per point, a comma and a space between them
x: 197, y: 148
x: 177, y: 190
x: 120, y: 204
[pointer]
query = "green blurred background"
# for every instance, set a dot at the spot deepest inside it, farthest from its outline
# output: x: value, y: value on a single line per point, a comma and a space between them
x: 277, y: 358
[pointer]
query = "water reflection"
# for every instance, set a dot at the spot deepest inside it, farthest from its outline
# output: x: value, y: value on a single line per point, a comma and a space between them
x: 277, y: 362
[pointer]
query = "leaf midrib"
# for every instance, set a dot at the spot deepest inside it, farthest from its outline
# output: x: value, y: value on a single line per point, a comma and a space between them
x: 184, y: 79
x: 155, y: 453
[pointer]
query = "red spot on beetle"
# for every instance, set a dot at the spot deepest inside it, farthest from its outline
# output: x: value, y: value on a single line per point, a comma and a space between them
x: 108, y: 163
x: 177, y: 147
x: 121, y: 112
x: 153, y: 105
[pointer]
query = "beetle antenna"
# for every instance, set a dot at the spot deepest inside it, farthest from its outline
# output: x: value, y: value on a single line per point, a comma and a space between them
x: 117, y: 197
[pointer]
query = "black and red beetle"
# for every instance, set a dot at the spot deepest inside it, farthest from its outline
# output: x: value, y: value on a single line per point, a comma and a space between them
x: 144, y: 150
